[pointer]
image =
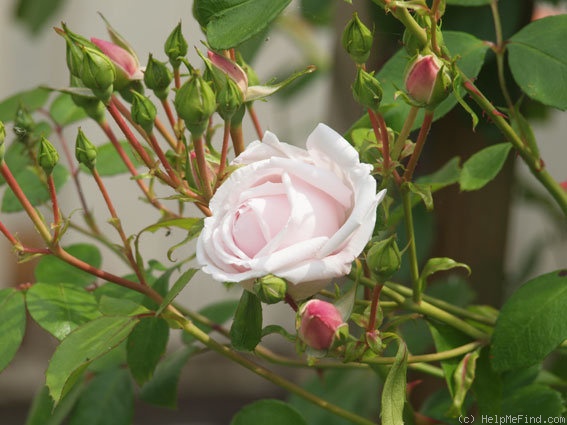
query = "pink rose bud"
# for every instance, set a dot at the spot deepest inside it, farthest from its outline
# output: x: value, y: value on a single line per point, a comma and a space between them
x: 319, y: 321
x: 230, y: 68
x: 125, y: 63
x: 427, y: 80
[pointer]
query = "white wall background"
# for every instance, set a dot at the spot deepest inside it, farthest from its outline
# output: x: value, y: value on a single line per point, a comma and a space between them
x: 27, y: 61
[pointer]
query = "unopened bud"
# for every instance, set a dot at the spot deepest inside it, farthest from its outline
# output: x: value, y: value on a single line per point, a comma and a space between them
x: 374, y: 341
x: 384, y: 257
x: 357, y: 40
x: 98, y: 73
x: 157, y: 77
x: 229, y: 99
x: 367, y: 90
x: 85, y: 151
x: 195, y: 103
x: 47, y: 156
x: 428, y: 81
x: 176, y: 46
x: 143, y: 111
x: 126, y: 65
x: 270, y: 289
x: 318, y: 324
x: 24, y: 124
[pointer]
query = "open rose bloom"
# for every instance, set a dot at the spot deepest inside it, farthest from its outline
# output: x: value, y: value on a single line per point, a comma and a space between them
x: 303, y: 215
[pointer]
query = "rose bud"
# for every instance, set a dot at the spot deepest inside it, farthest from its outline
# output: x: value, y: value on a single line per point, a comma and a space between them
x: 126, y: 64
x: 428, y: 81
x: 384, y: 257
x: 229, y: 99
x: 232, y: 70
x: 47, y: 156
x: 357, y: 40
x: 367, y: 90
x: 318, y: 324
x: 270, y: 289
x: 143, y: 111
x: 85, y: 151
x: 98, y: 74
x: 195, y: 103
x: 24, y: 125
x: 157, y: 77
x: 175, y: 46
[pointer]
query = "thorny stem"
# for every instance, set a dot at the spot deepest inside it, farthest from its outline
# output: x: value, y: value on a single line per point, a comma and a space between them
x: 533, y: 161
x: 118, y: 225
x: 28, y: 207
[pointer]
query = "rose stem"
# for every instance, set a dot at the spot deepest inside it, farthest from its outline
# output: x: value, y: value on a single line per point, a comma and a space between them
x: 532, y: 160
x: 30, y: 210
x: 422, y: 136
x: 118, y: 225
x: 126, y: 160
x: 171, y: 141
x: 224, y: 153
x: 434, y: 19
x: 391, y: 291
x: 255, y: 120
x: 237, y: 139
x: 373, y: 307
x: 404, y: 133
x: 202, y: 166
x: 168, y: 112
x: 89, y: 219
x: 289, y: 300
x: 55, y: 207
x: 9, y: 235
x: 163, y: 159
x: 412, y: 250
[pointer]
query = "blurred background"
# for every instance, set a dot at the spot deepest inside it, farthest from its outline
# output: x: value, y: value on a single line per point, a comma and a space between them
x: 507, y: 233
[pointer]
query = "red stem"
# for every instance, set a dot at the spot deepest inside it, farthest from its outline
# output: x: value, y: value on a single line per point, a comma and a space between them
x: 422, y: 136
x: 374, y: 307
x: 224, y: 152
x: 202, y: 166
x: 8, y: 235
x: 168, y: 112
x: 55, y: 206
x: 255, y: 121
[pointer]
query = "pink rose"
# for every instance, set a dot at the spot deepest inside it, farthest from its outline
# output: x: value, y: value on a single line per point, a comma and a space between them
x: 319, y: 321
x: 303, y: 215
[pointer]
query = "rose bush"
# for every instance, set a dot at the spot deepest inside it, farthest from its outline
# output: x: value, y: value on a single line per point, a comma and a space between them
x: 303, y: 215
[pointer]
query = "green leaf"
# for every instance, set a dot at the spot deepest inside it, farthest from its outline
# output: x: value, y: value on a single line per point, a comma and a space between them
x: 273, y: 412
x: 12, y: 324
x: 107, y: 400
x: 30, y: 99
x: 534, y: 401
x: 16, y: 157
x: 246, y: 329
x: 531, y: 323
x: 42, y: 411
x: 35, y: 14
x: 61, y: 307
x: 483, y: 166
x: 438, y: 264
x: 218, y: 313
x: 81, y: 347
x: 64, y: 111
x: 177, y: 287
x: 469, y: 2
x: 471, y: 52
x: 487, y: 386
x: 33, y: 187
x: 446, y: 338
x: 51, y: 269
x: 394, y: 391
x: 146, y: 344
x: 109, y: 163
x: 114, y: 306
x: 161, y: 390
x: 463, y: 377
x: 423, y: 191
x: 538, y: 60
x: 230, y: 22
